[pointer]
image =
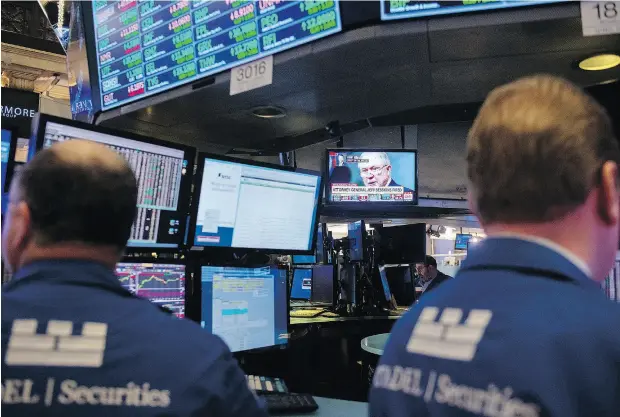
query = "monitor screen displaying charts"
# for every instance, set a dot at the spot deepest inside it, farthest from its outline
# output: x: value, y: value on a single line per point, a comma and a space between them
x: 163, y: 171
x: 162, y: 284
x: 147, y: 47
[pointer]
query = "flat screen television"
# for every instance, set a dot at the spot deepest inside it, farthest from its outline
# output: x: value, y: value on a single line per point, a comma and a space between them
x: 372, y: 178
x: 163, y: 171
x: 241, y: 204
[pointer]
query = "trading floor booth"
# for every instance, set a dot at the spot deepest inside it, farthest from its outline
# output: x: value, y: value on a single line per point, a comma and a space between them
x: 240, y: 245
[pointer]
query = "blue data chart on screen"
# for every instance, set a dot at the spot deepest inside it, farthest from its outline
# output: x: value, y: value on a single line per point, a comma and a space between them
x: 301, y: 289
x: 148, y: 47
x: 6, y: 149
x: 161, y: 284
x: 246, y: 307
x: 245, y: 206
x: 304, y: 259
x: 398, y: 9
x: 461, y: 240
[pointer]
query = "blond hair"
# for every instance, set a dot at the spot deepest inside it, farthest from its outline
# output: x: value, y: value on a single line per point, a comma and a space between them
x: 535, y: 150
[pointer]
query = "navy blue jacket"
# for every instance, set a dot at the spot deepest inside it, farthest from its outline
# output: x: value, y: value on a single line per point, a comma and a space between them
x: 75, y: 343
x: 521, y: 331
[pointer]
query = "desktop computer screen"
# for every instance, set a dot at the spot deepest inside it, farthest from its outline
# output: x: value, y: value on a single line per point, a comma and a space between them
x: 162, y: 284
x: 322, y: 284
x: 246, y: 205
x: 356, y: 232
x: 461, y: 241
x: 163, y: 171
x: 384, y: 284
x: 246, y: 307
x: 301, y: 289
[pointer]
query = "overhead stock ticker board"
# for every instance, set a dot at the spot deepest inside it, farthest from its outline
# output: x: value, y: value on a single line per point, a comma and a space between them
x: 403, y: 9
x: 146, y: 47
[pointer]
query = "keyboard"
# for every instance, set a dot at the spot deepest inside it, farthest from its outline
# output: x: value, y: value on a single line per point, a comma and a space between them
x: 307, y: 313
x: 290, y: 403
x: 264, y: 385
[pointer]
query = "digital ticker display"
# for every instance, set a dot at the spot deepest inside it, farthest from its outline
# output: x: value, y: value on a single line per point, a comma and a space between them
x: 146, y: 47
x: 402, y: 9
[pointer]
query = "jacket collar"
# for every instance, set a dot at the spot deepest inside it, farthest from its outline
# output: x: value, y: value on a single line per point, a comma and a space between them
x: 65, y: 271
x: 513, y: 252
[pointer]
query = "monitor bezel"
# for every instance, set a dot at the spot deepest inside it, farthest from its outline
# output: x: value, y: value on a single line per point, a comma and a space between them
x: 368, y: 206
x: 10, y: 164
x: 196, y: 299
x: 39, y: 123
x: 196, y: 200
x: 187, y: 298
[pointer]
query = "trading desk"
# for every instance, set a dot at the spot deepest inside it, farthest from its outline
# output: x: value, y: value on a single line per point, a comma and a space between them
x: 329, y: 407
x: 323, y: 320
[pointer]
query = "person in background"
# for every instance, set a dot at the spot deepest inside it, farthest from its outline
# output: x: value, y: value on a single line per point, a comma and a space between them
x: 524, y: 329
x: 74, y: 341
x: 429, y: 277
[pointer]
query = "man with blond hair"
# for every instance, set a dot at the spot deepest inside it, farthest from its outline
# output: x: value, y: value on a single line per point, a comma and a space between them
x: 524, y: 329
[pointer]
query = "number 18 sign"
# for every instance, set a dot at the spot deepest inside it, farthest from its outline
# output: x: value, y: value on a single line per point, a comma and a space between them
x: 600, y: 17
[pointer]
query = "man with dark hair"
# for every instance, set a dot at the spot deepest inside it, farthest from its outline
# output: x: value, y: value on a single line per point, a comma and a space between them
x: 524, y: 329
x: 429, y: 276
x: 74, y: 341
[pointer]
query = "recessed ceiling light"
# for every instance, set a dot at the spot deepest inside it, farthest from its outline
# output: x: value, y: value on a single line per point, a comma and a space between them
x: 600, y: 62
x: 269, y: 112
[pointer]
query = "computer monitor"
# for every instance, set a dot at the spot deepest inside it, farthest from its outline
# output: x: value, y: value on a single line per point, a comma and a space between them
x: 356, y: 234
x: 319, y: 253
x: 163, y: 171
x: 371, y: 178
x: 401, y: 244
x: 244, y: 204
x: 301, y: 289
x: 461, y: 241
x: 246, y: 307
x: 322, y: 284
x: 162, y: 284
x: 304, y: 259
x: 9, y: 141
x: 384, y: 284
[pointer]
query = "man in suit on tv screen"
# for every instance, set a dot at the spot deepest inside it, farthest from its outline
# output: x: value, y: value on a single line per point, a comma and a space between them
x: 376, y: 170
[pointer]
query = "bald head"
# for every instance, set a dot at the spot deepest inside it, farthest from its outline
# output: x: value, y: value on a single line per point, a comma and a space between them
x: 87, y: 154
x: 78, y: 192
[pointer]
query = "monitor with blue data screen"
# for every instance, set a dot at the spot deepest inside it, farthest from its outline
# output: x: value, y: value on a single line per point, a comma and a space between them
x: 249, y: 205
x: 301, y: 288
x: 461, y: 241
x: 404, y: 9
x: 246, y: 307
x: 148, y: 47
